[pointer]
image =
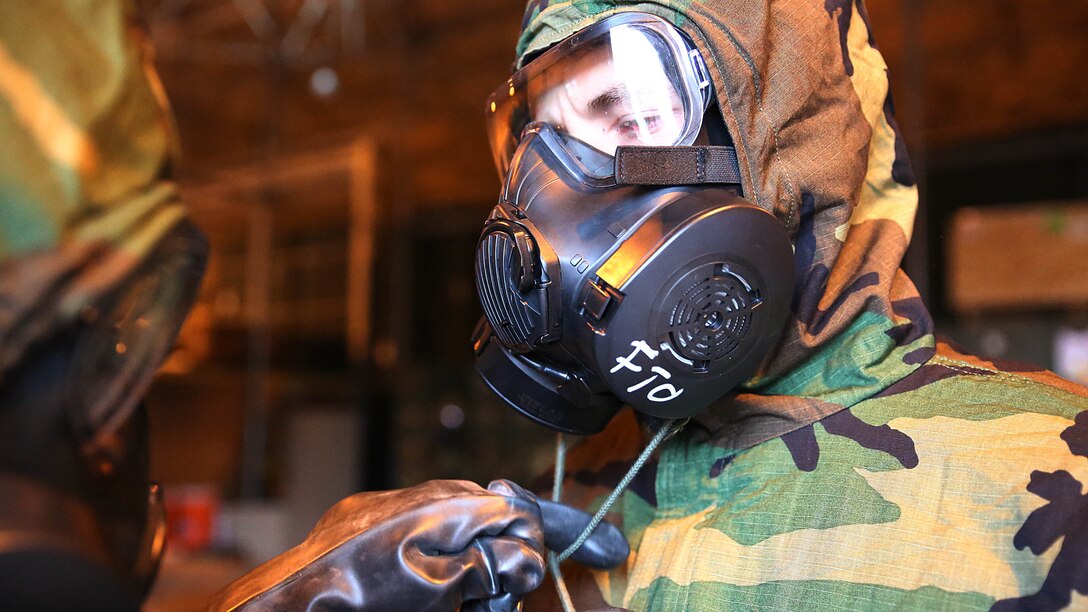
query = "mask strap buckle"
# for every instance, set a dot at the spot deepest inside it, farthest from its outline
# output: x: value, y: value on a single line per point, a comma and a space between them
x: 699, y: 66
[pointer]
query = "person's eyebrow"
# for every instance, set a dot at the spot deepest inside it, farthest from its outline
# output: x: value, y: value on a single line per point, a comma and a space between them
x: 617, y: 94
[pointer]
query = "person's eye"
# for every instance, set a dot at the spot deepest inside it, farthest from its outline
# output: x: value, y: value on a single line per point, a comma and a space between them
x: 637, y: 128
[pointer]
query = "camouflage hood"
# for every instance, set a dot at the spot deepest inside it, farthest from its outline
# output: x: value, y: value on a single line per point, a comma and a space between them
x: 805, y: 95
x: 86, y: 139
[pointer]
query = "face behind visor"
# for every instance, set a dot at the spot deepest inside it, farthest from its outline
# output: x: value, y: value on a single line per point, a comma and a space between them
x: 632, y: 79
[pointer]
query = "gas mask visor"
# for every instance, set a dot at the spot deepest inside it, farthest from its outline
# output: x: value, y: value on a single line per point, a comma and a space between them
x: 631, y: 79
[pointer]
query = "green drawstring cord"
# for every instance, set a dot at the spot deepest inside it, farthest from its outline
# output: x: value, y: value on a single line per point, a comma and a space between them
x: 557, y: 491
x: 670, y: 428
x: 560, y: 585
x: 560, y: 466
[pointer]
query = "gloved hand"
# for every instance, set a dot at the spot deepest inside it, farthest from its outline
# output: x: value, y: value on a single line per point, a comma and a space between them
x: 441, y: 545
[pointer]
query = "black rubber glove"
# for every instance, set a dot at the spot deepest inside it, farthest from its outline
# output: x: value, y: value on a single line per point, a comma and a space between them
x: 442, y: 545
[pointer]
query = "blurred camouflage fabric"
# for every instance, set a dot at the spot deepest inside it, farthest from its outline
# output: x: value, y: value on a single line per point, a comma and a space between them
x: 866, y: 466
x: 86, y: 140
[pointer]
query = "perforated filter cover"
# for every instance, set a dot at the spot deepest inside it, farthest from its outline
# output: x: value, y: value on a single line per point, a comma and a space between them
x: 710, y: 314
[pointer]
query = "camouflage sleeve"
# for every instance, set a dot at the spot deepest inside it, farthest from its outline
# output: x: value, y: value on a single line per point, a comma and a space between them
x: 963, y: 486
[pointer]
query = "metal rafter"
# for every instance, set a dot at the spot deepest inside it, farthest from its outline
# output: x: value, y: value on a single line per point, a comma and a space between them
x: 300, y: 34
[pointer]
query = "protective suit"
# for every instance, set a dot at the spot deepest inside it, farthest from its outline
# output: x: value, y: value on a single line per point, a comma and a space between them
x: 866, y: 465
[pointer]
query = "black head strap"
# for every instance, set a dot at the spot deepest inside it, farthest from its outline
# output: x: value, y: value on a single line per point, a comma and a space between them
x: 677, y: 165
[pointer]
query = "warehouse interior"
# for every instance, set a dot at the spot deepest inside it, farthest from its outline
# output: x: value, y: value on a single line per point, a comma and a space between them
x: 334, y: 153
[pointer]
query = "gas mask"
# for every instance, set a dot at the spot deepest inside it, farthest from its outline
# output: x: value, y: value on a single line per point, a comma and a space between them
x: 80, y: 521
x: 622, y: 265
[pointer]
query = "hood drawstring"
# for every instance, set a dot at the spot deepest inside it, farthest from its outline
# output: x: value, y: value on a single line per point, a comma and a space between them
x: 670, y: 428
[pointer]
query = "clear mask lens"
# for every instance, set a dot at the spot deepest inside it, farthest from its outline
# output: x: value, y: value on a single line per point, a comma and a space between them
x: 631, y: 79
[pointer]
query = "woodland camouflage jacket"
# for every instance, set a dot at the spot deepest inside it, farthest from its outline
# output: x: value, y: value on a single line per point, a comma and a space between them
x: 867, y: 466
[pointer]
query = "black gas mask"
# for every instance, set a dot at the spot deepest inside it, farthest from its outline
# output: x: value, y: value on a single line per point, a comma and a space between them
x: 622, y: 266
x: 81, y: 524
x: 601, y: 290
